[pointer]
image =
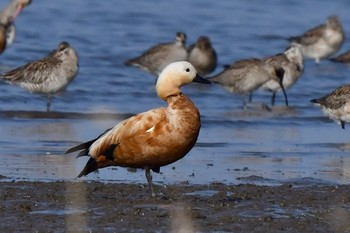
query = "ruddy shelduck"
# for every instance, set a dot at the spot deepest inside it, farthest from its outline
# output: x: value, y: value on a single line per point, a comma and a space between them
x: 151, y: 139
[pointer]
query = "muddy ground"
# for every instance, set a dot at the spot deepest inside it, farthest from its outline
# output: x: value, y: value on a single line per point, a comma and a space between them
x: 99, y: 207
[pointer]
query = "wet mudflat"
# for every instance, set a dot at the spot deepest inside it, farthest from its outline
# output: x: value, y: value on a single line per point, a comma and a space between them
x: 100, y: 207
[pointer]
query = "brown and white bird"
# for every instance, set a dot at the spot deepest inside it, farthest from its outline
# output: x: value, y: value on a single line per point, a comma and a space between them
x: 336, y: 105
x: 245, y: 76
x: 156, y: 58
x: 7, y: 18
x: 292, y: 62
x: 202, y: 56
x: 151, y: 139
x: 48, y: 75
x: 322, y: 41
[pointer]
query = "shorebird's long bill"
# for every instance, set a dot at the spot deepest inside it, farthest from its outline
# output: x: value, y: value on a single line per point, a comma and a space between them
x: 18, y: 10
x: 199, y: 79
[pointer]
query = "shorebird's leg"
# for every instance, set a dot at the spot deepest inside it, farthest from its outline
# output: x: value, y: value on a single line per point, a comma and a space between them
x: 244, y: 103
x: 317, y: 61
x: 149, y: 180
x: 250, y: 97
x: 284, y: 92
x: 273, y: 98
x: 285, y: 96
x: 49, y: 96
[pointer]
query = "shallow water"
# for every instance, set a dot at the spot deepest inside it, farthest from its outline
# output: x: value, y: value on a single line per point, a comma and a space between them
x: 258, y: 146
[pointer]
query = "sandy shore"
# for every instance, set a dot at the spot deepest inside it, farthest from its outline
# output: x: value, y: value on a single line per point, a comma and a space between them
x: 98, y: 207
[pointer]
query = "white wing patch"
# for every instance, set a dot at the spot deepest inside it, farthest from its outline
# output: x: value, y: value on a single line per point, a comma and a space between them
x: 150, y: 129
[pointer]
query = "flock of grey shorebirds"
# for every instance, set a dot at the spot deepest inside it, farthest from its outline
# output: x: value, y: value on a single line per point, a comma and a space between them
x: 164, y: 135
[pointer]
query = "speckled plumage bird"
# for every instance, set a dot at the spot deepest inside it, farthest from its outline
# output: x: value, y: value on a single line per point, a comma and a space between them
x: 202, y: 56
x: 246, y: 76
x: 292, y: 62
x: 154, y: 138
x: 156, y: 58
x: 48, y: 75
x: 336, y: 105
x: 322, y: 41
x: 7, y: 18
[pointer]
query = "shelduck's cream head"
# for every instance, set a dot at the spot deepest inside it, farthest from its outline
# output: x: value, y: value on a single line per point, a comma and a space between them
x: 174, y: 76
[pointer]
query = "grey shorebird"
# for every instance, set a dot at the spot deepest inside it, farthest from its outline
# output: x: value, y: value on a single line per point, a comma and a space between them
x: 156, y: 58
x: 151, y: 139
x: 292, y: 62
x: 336, y: 105
x: 246, y: 76
x: 48, y: 75
x: 202, y: 56
x: 322, y: 41
x: 7, y: 18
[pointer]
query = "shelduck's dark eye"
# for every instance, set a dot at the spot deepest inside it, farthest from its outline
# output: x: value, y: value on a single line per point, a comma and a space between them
x: 188, y: 70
